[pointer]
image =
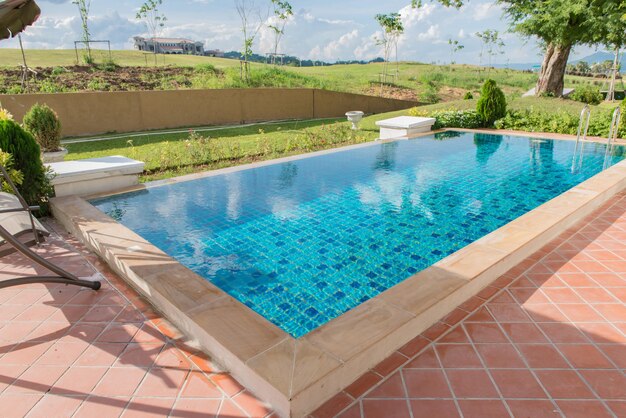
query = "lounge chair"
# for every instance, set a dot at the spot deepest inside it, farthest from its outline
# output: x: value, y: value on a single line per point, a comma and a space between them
x: 19, y: 230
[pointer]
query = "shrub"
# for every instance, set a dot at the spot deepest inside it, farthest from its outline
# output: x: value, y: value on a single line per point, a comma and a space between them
x: 4, y: 114
x: 430, y: 95
x: 16, y: 176
x: 492, y: 103
x: 587, y: 94
x: 468, y: 96
x: 43, y: 123
x: 468, y: 119
x: 26, y: 153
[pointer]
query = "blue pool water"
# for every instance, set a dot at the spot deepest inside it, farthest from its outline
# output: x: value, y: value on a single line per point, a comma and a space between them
x: 304, y: 241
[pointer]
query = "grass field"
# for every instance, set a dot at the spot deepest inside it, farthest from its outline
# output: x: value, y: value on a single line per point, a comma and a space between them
x: 169, y: 155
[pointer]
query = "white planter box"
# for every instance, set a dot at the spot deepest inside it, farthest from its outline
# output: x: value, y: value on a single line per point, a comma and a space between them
x: 404, y: 126
x: 94, y: 176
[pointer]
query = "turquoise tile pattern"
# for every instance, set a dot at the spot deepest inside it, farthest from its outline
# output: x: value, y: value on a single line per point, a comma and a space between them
x: 303, y: 242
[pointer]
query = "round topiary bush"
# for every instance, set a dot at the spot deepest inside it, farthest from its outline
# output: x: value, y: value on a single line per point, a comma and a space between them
x: 26, y: 155
x: 43, y: 123
x: 492, y: 104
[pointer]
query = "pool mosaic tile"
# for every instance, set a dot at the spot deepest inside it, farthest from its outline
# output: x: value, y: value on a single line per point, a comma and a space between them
x: 303, y: 242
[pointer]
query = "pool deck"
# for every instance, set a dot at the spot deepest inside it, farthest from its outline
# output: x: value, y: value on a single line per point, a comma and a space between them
x: 547, y: 339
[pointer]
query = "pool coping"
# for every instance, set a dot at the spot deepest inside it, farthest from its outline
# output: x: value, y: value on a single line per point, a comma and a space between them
x: 297, y: 375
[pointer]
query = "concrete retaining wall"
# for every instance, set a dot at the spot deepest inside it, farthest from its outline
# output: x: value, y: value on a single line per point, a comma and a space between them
x: 104, y: 112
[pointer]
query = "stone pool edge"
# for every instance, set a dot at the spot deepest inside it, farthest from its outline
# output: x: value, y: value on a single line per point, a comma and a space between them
x: 296, y: 376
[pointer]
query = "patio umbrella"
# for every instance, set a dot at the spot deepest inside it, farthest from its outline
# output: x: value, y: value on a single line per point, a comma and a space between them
x: 15, y: 15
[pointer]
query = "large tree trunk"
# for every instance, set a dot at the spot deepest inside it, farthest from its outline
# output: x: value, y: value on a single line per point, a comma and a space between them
x: 552, y: 75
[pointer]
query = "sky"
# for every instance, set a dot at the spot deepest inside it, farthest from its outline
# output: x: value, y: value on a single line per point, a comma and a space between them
x: 327, y: 30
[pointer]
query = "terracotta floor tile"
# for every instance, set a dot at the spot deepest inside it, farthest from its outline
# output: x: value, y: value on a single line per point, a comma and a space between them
x: 78, y: 381
x: 150, y: 407
x: 542, y: 312
x: 523, y: 333
x: 226, y: 382
x: 140, y: 355
x: 26, y: 353
x: 533, y: 408
x: 100, y: 354
x: 390, y: 364
x: 363, y: 384
x: 485, y: 333
x: 542, y: 356
x: 609, y: 384
x: 564, y: 384
x: 498, y: 356
x: 101, y: 406
x: 615, y: 352
x: 162, y: 383
x: 524, y: 296
x: 562, y: 295
x: 83, y: 332
x: 618, y: 408
x: 199, y: 386
x: 392, y: 387
x: 517, y: 384
x: 424, y: 408
x: 426, y: 384
x: 230, y: 409
x: 483, y: 409
x: 56, y: 406
x: 63, y: 354
x: 579, y: 312
x: 563, y: 333
x: 193, y: 408
x: 118, y: 333
x: 15, y: 332
x: 37, y: 379
x: 602, y: 333
x: 18, y: 405
x: 481, y: 315
x: 121, y: 381
x: 353, y: 412
x: 456, y: 336
x: 460, y: 356
x: 102, y: 314
x: 584, y: 356
x: 583, y: 409
x: 612, y: 312
x: 336, y: 404
x: 437, y: 330
x: 414, y: 346
x: 426, y: 360
x: 471, y: 384
x: 577, y: 280
x: 386, y: 408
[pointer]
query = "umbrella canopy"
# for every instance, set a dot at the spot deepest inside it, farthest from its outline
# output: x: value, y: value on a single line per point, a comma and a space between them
x: 15, y: 15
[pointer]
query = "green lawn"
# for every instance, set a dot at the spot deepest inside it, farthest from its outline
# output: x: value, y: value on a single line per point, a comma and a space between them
x: 67, y: 57
x: 172, y: 154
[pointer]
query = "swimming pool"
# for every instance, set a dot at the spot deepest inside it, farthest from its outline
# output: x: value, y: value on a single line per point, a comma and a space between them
x: 304, y: 241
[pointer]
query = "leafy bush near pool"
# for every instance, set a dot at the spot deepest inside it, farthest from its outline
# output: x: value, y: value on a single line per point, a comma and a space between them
x: 587, y: 94
x: 16, y: 176
x: 532, y: 120
x: 492, y: 103
x: 26, y: 154
x: 468, y: 119
x: 43, y: 124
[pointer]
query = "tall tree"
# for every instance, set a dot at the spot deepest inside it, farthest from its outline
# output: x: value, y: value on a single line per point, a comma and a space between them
x: 559, y: 25
x: 151, y: 15
x: 282, y: 12
x: 393, y: 28
x: 455, y: 46
x: 252, y: 19
x: 83, y: 11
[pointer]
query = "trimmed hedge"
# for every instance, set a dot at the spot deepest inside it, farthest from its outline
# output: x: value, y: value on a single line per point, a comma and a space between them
x: 492, y: 104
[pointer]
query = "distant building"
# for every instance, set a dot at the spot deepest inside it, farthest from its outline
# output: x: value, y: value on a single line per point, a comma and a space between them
x: 169, y: 46
x: 214, y: 53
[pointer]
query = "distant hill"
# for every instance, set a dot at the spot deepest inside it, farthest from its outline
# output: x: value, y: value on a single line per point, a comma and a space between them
x: 597, y: 57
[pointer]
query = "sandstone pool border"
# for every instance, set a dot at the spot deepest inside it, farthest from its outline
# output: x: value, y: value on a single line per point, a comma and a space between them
x: 297, y: 375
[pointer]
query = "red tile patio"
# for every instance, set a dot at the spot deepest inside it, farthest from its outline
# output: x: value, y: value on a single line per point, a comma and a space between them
x: 548, y: 339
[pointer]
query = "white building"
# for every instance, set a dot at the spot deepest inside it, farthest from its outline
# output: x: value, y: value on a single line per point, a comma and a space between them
x: 169, y: 46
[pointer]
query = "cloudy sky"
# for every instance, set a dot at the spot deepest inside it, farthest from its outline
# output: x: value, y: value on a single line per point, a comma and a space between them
x: 323, y: 29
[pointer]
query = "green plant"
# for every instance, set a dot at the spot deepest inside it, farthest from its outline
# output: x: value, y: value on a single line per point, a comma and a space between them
x: 26, y: 154
x: 587, y: 94
x: 16, y: 176
x: 492, y: 103
x: 43, y: 123
x: 452, y: 118
x: 430, y: 95
x: 4, y: 114
x: 468, y: 96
